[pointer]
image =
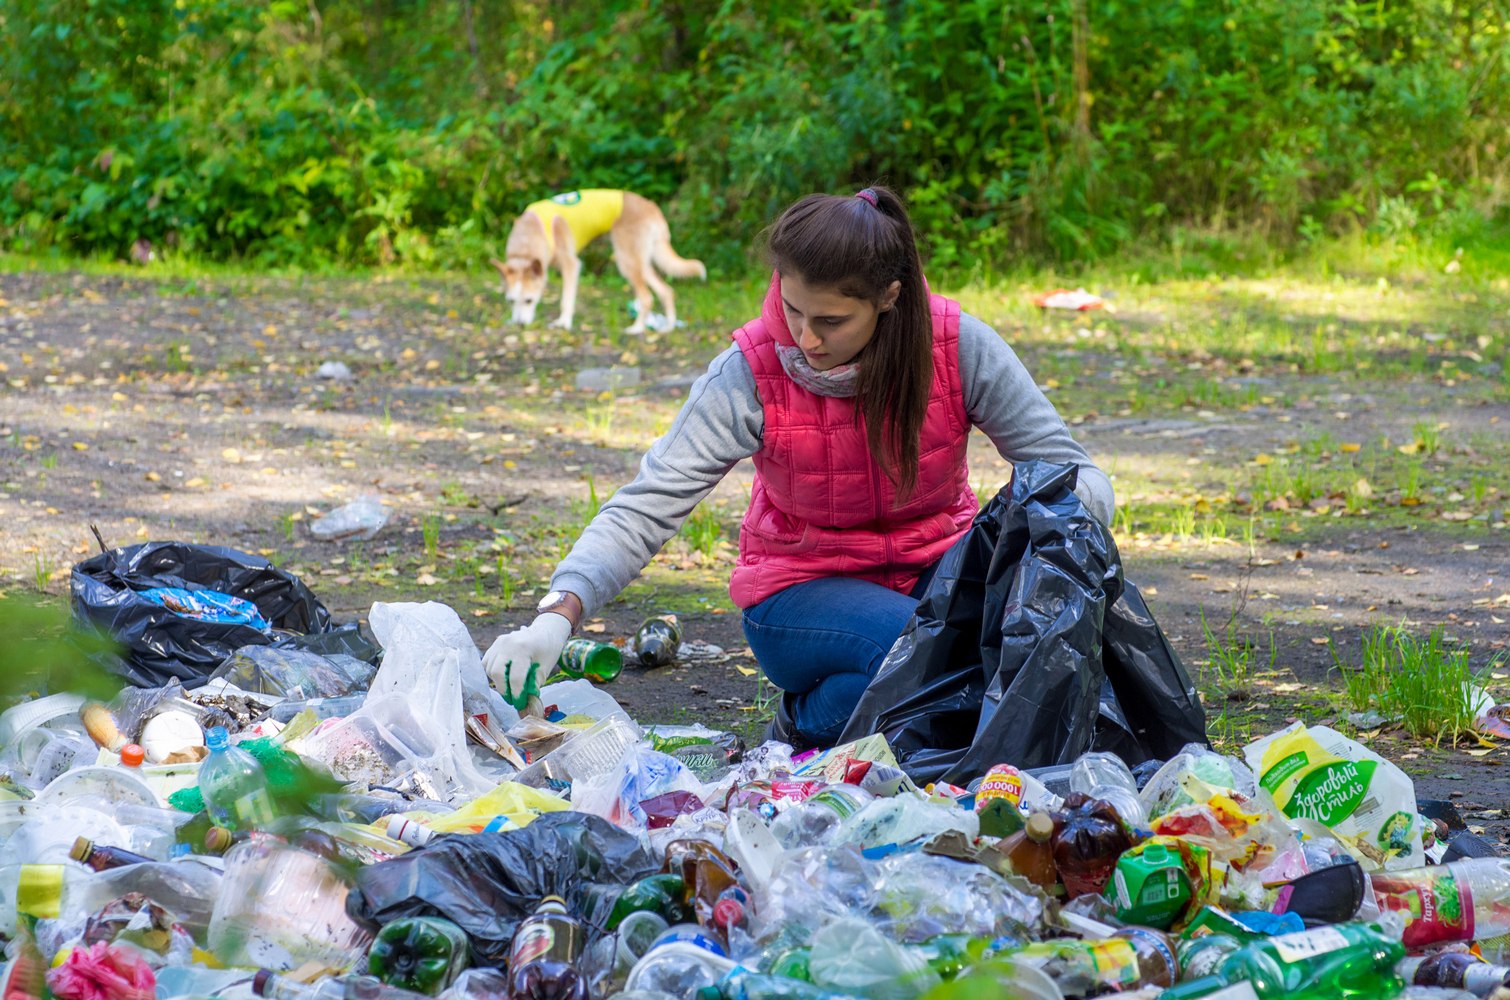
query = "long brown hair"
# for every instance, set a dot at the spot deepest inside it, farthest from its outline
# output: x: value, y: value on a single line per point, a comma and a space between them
x: 860, y: 245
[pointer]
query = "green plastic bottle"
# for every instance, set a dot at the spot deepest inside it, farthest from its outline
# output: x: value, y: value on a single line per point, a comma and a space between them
x: 597, y: 661
x: 662, y: 894
x: 424, y: 954
x: 1337, y: 962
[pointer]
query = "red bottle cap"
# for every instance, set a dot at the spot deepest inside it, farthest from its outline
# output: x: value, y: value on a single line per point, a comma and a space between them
x: 132, y: 755
x: 727, y: 913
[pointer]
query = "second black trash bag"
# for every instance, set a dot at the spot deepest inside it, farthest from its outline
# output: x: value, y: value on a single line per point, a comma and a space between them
x: 486, y: 883
x: 1027, y: 648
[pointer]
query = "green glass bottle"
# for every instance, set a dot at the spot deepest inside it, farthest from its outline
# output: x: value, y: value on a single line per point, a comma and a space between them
x: 662, y: 894
x: 424, y: 954
x: 597, y: 661
x: 1337, y: 962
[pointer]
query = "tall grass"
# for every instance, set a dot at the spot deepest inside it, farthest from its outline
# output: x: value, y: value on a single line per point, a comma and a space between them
x: 1427, y: 684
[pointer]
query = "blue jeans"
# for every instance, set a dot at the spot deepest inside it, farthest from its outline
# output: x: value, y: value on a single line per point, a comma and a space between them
x: 823, y: 640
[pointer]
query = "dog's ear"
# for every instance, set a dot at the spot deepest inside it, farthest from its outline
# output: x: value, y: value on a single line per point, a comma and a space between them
x: 500, y: 265
x: 537, y: 268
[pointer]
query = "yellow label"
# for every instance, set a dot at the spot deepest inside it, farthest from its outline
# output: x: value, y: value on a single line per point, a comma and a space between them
x: 40, y: 890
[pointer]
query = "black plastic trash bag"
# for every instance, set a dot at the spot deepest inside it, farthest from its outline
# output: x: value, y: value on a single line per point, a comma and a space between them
x: 158, y: 645
x: 1028, y: 648
x: 486, y: 883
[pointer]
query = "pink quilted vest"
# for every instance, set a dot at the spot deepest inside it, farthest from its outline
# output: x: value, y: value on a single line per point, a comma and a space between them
x: 820, y: 505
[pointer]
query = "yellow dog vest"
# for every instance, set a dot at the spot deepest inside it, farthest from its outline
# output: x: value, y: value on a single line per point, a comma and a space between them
x: 590, y: 214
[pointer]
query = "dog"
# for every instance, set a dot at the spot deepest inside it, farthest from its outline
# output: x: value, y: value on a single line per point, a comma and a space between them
x: 552, y: 231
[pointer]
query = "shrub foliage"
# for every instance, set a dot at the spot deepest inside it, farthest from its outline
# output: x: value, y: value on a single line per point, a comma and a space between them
x: 376, y: 131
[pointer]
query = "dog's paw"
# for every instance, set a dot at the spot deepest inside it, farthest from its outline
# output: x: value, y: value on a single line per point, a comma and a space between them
x: 637, y: 328
x: 561, y: 323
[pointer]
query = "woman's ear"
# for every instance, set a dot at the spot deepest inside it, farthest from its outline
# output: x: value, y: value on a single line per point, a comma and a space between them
x: 889, y: 297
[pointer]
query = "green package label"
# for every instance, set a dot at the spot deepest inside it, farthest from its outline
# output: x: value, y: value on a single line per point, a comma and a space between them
x: 1332, y: 792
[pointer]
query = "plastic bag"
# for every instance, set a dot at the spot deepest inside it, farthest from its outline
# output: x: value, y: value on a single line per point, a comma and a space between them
x: 414, y: 719
x: 361, y: 519
x: 293, y: 673
x: 1029, y: 648
x: 1369, y: 803
x: 487, y: 882
x: 159, y: 645
x: 103, y: 972
x: 641, y: 774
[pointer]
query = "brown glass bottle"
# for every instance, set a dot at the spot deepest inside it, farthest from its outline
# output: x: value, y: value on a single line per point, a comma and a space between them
x: 543, y: 955
x: 706, y: 872
x: 1031, y: 854
x: 87, y: 852
x: 1088, y: 840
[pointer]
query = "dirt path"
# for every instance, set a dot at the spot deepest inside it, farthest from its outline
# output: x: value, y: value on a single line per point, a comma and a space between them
x: 193, y: 410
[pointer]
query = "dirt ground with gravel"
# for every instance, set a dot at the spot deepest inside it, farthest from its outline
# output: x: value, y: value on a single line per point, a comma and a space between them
x: 156, y: 408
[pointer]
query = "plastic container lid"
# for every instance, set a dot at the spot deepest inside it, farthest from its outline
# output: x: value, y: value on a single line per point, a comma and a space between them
x: 217, y: 738
x: 132, y: 755
x: 30, y: 714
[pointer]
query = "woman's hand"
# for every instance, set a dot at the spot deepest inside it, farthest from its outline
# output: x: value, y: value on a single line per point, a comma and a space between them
x: 514, y: 660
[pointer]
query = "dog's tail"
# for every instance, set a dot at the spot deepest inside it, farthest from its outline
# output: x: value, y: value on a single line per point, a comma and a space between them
x: 673, y: 264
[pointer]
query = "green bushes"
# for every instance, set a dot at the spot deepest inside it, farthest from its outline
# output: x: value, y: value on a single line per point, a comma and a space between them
x: 380, y: 131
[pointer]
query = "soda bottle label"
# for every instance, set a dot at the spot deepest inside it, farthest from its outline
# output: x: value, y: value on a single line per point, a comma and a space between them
x: 1001, y: 782
x: 1437, y: 906
x: 843, y: 804
x: 1303, y: 945
x: 253, y: 809
x: 574, y: 656
x: 533, y: 941
x: 1115, y: 961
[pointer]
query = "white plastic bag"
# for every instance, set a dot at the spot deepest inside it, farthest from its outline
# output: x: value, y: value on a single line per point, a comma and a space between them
x: 361, y: 519
x: 1367, y: 802
x: 430, y: 680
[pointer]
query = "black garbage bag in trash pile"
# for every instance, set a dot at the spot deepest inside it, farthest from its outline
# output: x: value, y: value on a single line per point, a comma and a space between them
x: 1029, y: 648
x: 486, y: 883
x: 158, y: 645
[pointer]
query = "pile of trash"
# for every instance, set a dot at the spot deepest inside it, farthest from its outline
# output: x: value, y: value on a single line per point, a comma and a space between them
x: 301, y: 824
x: 273, y: 805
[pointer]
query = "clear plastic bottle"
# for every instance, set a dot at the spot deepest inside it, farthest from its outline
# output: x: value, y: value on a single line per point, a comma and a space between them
x: 267, y: 983
x: 814, y: 820
x: 1132, y: 958
x: 1466, y: 900
x: 679, y: 968
x: 234, y: 785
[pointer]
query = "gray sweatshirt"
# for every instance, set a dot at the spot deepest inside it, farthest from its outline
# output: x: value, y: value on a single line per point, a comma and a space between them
x: 722, y: 422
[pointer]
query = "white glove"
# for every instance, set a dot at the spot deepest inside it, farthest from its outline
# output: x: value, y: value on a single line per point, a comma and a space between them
x: 515, y: 659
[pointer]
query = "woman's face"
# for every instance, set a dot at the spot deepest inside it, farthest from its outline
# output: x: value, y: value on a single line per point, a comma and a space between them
x: 831, y: 327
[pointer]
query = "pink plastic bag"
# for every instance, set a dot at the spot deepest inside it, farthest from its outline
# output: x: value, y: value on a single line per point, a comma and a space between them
x: 102, y: 972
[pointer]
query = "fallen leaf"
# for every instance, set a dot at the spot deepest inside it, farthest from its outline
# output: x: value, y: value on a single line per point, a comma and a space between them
x: 1349, y: 447
x: 1317, y: 640
x: 595, y: 627
x: 426, y: 580
x: 195, y: 483
x: 747, y: 671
